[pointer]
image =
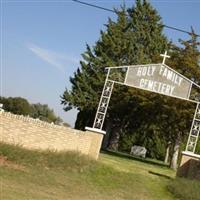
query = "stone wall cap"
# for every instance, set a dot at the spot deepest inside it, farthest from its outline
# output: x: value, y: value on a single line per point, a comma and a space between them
x: 191, y: 154
x: 96, y: 130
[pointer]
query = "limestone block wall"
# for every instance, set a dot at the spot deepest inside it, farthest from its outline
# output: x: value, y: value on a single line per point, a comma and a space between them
x: 35, y: 134
x: 189, y: 166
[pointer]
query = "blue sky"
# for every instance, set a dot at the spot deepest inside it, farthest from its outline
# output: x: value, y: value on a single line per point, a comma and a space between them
x: 42, y: 42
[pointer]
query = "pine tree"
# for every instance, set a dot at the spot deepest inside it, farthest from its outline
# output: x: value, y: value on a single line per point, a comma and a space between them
x: 87, y: 83
x: 146, y: 25
x: 146, y: 41
x: 135, y: 38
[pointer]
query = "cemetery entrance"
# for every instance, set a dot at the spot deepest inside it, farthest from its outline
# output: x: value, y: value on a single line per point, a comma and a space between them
x: 158, y: 78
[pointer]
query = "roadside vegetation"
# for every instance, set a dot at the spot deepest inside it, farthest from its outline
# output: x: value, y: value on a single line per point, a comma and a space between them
x: 45, y: 175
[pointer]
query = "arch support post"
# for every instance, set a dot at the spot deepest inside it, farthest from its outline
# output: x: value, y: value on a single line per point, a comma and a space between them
x: 194, y: 131
x: 190, y: 162
x: 101, y: 113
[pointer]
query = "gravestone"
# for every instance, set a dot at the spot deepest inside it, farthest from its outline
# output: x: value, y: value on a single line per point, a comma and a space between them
x: 138, y: 151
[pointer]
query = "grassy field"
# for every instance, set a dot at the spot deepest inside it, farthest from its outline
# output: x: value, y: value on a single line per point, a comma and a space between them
x: 34, y: 175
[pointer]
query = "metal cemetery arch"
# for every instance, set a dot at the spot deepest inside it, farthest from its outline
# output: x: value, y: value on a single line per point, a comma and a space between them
x: 158, y: 78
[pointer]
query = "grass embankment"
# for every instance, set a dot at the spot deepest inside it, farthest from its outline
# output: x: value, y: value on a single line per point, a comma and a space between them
x: 47, y: 175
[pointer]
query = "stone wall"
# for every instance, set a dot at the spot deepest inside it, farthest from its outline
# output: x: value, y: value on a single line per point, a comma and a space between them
x: 35, y: 134
x: 189, y: 166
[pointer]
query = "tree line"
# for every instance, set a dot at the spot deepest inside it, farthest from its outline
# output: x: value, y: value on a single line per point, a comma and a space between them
x: 159, y: 123
x: 20, y: 106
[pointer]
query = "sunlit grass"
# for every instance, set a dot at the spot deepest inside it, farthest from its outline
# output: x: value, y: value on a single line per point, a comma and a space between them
x: 185, y: 189
x: 45, y: 175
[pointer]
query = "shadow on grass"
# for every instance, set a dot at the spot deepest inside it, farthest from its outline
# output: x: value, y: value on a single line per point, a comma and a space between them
x: 160, y: 175
x: 128, y: 156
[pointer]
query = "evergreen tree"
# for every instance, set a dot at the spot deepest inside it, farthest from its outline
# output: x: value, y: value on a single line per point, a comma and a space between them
x: 88, y: 81
x: 146, y: 26
x: 133, y: 39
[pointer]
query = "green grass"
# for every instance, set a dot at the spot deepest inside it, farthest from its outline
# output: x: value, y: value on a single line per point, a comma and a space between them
x: 185, y: 189
x: 35, y: 175
x: 46, y: 159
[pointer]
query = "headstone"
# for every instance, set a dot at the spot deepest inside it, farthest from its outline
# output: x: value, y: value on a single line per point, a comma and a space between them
x: 138, y: 151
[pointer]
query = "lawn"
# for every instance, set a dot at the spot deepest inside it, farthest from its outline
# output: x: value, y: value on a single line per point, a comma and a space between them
x: 34, y: 175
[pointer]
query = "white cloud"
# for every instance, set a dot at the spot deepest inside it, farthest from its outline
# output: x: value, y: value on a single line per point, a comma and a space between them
x: 58, y: 60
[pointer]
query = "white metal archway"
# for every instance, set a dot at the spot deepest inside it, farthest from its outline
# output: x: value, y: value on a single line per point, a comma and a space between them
x: 158, y: 78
